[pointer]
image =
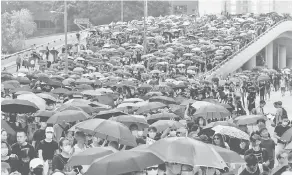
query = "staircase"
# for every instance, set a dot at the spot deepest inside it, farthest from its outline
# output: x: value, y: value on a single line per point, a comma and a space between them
x: 236, y: 60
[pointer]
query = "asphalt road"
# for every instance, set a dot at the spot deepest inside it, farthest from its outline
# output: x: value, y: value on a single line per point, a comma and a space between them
x: 56, y: 42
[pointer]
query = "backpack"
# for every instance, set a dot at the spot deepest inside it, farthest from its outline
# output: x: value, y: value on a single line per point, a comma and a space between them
x: 284, y: 113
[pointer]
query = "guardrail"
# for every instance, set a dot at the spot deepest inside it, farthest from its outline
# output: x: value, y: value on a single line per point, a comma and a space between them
x: 240, y: 50
x: 42, y: 45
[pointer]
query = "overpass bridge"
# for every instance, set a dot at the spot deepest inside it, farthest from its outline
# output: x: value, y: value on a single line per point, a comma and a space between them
x: 277, y: 45
x: 56, y: 42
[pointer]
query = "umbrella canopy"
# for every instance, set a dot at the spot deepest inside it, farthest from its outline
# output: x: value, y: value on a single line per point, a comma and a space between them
x: 47, y: 96
x: 150, y: 106
x: 248, y: 119
x: 231, y: 131
x: 18, y: 106
x: 133, y: 119
x: 44, y: 113
x: 221, y: 123
x: 228, y: 155
x: 7, y: 127
x: 162, y: 99
x: 287, y: 136
x: 163, y: 116
x: 68, y: 116
x: 89, y: 155
x: 192, y: 152
x: 109, y: 130
x: 38, y: 101
x: 162, y: 125
x: 124, y: 162
x: 212, y: 111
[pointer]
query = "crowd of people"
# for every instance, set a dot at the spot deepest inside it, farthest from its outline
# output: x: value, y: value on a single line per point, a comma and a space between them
x: 125, y: 109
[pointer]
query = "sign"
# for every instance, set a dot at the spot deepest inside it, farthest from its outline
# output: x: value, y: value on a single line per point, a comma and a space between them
x: 81, y: 21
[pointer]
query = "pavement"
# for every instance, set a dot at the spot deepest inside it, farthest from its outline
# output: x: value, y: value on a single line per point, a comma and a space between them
x: 51, y: 41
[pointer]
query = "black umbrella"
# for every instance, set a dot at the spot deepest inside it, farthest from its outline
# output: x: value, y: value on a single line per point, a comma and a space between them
x: 109, y: 113
x: 54, y: 52
x: 18, y: 106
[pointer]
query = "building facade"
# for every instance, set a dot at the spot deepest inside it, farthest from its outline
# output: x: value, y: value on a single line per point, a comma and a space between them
x: 244, y: 6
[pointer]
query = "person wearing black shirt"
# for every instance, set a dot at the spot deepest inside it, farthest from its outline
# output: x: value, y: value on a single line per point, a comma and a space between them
x: 278, y: 132
x: 39, y: 134
x: 252, y: 167
x: 60, y: 160
x: 260, y: 153
x: 47, y: 149
x: 24, y: 151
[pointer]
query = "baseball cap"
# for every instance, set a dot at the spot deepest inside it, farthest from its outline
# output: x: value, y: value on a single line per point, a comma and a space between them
x: 279, y: 103
x: 34, y: 163
x: 50, y: 129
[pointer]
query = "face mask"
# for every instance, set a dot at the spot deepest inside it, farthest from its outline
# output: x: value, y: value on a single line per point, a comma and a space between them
x: 285, y: 123
x: 135, y: 133
x: 174, y: 168
x: 172, y: 133
x: 4, y: 151
x: 140, y: 133
x: 152, y: 134
x: 49, y: 135
x: 4, y: 172
x: 38, y: 171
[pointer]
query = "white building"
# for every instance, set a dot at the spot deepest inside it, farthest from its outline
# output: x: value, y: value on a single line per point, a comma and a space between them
x: 244, y: 6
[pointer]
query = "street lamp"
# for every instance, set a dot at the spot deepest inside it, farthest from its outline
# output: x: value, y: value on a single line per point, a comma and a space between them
x: 65, y: 30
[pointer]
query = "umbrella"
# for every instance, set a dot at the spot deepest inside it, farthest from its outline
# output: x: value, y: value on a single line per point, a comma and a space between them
x: 40, y: 103
x: 199, y: 104
x: 163, y: 116
x: 287, y: 136
x: 133, y: 100
x: 109, y: 130
x: 109, y: 113
x: 263, y: 78
x: 162, y: 125
x: 130, y: 119
x: 42, y: 113
x: 60, y: 91
x: 89, y: 155
x: 216, y: 102
x: 47, y: 96
x: 191, y: 152
x: 150, y: 106
x: 124, y: 162
x: 231, y: 131
x: 212, y: 111
x: 221, y: 123
x: 228, y: 156
x: 7, y: 127
x: 68, y: 116
x: 162, y: 99
x: 248, y: 119
x: 18, y: 106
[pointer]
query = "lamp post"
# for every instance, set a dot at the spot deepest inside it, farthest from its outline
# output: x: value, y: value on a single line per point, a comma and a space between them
x: 122, y: 10
x: 65, y: 31
x: 145, y: 26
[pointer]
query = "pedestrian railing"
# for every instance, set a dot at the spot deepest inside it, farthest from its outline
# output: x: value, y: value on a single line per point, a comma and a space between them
x: 240, y: 50
x: 82, y: 37
x: 83, y: 33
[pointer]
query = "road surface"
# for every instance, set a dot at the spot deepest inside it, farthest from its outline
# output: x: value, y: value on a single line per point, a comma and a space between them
x: 51, y: 41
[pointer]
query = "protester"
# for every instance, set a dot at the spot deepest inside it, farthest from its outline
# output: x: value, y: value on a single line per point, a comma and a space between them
x: 135, y: 98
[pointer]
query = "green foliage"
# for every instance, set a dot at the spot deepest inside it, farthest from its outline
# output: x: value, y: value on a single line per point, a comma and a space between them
x: 15, y: 27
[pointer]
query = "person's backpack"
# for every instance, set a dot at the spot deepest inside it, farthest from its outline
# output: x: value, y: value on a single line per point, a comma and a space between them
x: 284, y: 113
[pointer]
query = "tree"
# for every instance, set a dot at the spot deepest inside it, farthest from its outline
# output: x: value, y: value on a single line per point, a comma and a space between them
x: 15, y: 28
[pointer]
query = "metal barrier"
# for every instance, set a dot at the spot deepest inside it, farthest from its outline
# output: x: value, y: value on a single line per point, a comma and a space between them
x: 237, y: 52
x: 42, y: 45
